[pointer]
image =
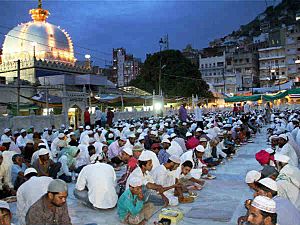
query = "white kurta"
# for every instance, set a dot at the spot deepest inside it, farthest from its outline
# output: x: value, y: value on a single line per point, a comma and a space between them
x: 137, y: 172
x: 100, y: 138
x: 197, y: 172
x: 289, y: 151
x: 175, y: 149
x: 165, y: 178
x: 21, y: 141
x: 28, y: 193
x: 100, y: 179
x: 288, y: 183
x: 83, y: 158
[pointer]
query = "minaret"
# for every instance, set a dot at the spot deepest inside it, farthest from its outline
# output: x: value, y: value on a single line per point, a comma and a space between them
x: 39, y: 14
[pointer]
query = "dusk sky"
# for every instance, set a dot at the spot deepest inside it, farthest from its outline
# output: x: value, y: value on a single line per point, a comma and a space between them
x: 136, y: 25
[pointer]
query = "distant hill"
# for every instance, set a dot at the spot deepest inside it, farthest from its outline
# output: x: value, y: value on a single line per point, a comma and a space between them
x: 284, y: 13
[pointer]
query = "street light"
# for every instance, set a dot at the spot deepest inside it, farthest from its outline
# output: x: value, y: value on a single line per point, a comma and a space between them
x: 161, y: 42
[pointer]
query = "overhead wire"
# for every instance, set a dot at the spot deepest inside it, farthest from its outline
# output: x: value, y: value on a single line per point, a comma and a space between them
x: 63, y: 42
x: 78, y: 53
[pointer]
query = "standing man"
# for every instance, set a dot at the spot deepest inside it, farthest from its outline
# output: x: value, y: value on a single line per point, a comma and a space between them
x: 183, y: 113
x: 98, y: 115
x: 87, y: 117
x: 51, y: 208
x: 109, y: 117
x: 198, y: 116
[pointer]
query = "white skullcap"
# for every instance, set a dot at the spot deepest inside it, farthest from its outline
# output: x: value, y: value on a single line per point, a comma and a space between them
x: 252, y: 176
x: 61, y: 135
x: 175, y: 159
x: 91, y: 140
x: 145, y: 156
x: 80, y: 127
x: 131, y: 135
x: 22, y: 131
x: 139, y: 130
x: 269, y: 183
x: 42, y: 144
x: 141, y: 137
x: 166, y: 136
x: 184, y: 124
x: 269, y: 150
x: 4, y: 205
x: 166, y: 141
x: 43, y: 151
x: 110, y: 135
x: 131, y: 126
x: 188, y: 134
x: 135, y: 182
x: 227, y: 125
x: 6, y: 130
x: 281, y: 115
x: 123, y: 138
x: 29, y: 170
x: 6, y: 140
x: 295, y: 120
x: 199, y: 129
x: 203, y: 139
x: 281, y: 158
x: 96, y: 157
x: 273, y: 137
x: 264, y: 203
x: 200, y: 148
x: 128, y: 150
x: 29, y: 141
x: 173, y: 135
x: 57, y: 185
x: 72, y: 133
x: 87, y: 127
x: 283, y: 136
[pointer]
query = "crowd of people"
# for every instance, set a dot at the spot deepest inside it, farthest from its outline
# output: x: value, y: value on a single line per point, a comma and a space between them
x: 276, y: 186
x: 162, y: 160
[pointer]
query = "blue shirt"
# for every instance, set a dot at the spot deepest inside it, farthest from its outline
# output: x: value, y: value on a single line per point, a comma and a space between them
x: 129, y: 204
x: 15, y: 169
x: 163, y: 156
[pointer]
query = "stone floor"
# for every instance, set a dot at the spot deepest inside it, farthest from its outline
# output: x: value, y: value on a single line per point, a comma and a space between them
x: 220, y: 202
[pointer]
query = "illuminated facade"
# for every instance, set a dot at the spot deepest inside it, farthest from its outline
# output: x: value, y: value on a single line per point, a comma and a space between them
x: 40, y: 46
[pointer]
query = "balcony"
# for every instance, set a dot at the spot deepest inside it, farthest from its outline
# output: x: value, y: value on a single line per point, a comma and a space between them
x: 270, y: 57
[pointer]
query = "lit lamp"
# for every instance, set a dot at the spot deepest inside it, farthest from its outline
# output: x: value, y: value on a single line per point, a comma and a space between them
x: 87, y: 61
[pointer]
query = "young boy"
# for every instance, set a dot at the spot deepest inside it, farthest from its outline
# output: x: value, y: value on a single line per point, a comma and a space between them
x: 185, y: 178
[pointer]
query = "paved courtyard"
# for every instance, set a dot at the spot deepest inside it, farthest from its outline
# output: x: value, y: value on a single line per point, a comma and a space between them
x: 220, y: 202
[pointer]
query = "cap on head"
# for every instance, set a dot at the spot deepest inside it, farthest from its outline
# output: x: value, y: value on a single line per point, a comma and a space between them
x: 252, y: 176
x: 135, y: 182
x: 4, y: 205
x: 269, y: 183
x: 175, y: 159
x: 200, y: 148
x: 264, y: 203
x: 128, y: 151
x: 30, y: 170
x: 57, y: 186
x: 145, y: 156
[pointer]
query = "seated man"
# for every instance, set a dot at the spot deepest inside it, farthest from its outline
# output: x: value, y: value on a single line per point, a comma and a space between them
x: 17, y: 171
x: 127, y: 157
x: 114, y: 151
x: 95, y: 185
x: 51, y: 208
x: 132, y: 208
x: 30, y: 191
x: 163, y: 176
x: 6, y: 187
x: 184, y: 177
x: 5, y: 214
x: 45, y: 166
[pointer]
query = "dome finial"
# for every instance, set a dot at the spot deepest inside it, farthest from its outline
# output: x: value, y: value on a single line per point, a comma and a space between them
x: 39, y: 14
x: 40, y: 4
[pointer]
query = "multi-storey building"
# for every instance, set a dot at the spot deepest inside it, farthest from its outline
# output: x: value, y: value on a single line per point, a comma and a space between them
x: 292, y: 51
x: 125, y: 67
x: 191, y: 54
x: 272, y: 66
x: 212, y: 68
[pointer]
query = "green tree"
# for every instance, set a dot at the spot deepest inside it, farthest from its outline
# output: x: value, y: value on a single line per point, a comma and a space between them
x: 179, y: 76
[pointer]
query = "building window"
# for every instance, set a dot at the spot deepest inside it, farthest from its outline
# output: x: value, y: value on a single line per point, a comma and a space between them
x: 282, y: 73
x: 247, y: 60
x: 205, y: 65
